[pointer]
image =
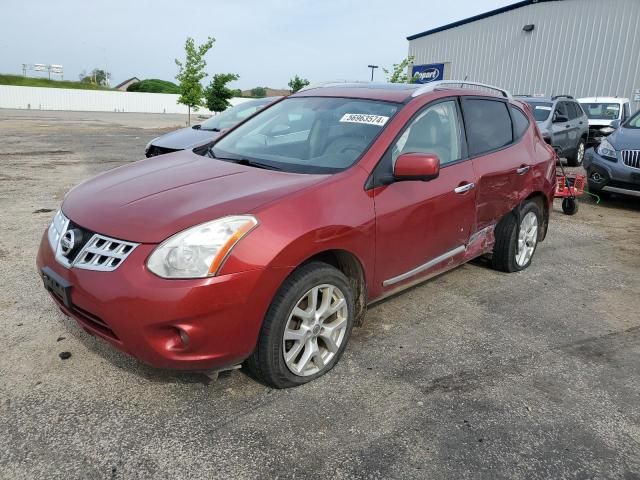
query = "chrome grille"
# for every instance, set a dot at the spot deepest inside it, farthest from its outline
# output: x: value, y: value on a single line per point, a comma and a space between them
x: 99, y: 252
x: 631, y: 158
x: 103, y: 253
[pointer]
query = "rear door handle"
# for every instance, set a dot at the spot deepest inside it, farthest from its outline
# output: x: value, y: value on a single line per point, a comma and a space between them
x: 464, y: 188
x: 522, y: 170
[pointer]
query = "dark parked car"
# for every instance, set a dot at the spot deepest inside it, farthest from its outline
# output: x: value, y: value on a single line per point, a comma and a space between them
x: 614, y: 166
x: 207, y: 131
x: 267, y: 247
x: 563, y: 124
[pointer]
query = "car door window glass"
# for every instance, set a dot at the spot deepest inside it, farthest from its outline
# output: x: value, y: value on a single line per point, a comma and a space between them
x: 488, y: 125
x: 520, y: 122
x: 571, y: 109
x: 435, y: 130
x: 626, y: 114
x: 561, y: 111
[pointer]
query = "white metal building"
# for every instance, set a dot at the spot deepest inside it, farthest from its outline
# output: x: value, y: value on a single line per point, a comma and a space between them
x: 582, y: 48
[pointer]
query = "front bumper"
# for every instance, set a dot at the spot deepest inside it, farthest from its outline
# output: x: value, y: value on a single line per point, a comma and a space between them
x: 611, y: 176
x: 201, y: 324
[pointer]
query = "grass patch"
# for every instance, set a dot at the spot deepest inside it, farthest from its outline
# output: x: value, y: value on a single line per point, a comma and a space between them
x: 21, y: 81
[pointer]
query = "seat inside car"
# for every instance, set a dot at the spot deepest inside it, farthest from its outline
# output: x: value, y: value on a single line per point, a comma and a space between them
x: 430, y: 134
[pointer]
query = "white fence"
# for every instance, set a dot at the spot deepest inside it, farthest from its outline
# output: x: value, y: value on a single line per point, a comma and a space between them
x: 39, y: 98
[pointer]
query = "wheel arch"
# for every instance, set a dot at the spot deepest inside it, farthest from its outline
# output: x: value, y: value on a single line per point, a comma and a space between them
x: 351, y: 266
x: 540, y: 198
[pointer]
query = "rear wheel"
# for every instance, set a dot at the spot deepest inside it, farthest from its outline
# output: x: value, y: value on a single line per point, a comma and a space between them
x: 306, y: 328
x: 575, y: 160
x: 516, y: 243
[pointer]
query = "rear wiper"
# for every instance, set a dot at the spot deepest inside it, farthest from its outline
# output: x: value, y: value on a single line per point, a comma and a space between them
x: 214, y: 129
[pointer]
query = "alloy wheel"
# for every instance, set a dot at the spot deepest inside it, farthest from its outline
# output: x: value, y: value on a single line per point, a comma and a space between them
x: 315, y: 330
x: 527, y: 238
x: 580, y: 155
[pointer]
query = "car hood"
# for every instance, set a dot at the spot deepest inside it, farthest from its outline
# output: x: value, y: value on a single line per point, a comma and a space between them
x: 185, y: 138
x: 150, y: 200
x: 625, y: 139
x: 600, y: 123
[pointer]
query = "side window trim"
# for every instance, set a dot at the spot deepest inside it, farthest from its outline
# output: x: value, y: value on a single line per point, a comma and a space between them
x: 464, y: 151
x: 493, y: 99
x: 516, y: 139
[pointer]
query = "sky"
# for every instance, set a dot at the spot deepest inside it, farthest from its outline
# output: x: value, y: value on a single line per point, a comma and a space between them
x: 266, y: 42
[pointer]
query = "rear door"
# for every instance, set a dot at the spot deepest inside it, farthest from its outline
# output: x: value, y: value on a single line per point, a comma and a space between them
x: 499, y: 170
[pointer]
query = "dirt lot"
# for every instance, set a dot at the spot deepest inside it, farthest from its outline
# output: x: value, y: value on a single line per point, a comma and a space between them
x: 473, y: 374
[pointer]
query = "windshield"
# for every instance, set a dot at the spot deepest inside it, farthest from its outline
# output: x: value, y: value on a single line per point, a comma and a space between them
x: 602, y: 111
x: 541, y: 110
x: 233, y: 115
x: 633, y: 122
x: 308, y: 134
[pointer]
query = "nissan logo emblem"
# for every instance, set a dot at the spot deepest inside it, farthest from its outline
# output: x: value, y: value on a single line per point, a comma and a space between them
x: 68, y: 241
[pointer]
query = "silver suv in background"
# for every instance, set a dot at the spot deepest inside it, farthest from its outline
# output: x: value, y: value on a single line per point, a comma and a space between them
x: 602, y: 112
x: 563, y: 124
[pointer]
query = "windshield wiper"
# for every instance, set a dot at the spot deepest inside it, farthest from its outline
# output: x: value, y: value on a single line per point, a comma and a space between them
x: 214, y: 129
x: 244, y: 161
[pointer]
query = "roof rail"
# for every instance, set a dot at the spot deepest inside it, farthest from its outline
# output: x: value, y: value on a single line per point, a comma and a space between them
x: 334, y: 83
x: 443, y: 84
x: 561, y: 96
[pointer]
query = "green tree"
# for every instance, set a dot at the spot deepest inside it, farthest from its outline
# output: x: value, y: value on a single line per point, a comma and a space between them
x: 97, y: 76
x: 297, y: 83
x: 398, y: 72
x: 236, y: 92
x: 191, y: 72
x: 217, y: 95
x: 259, y: 92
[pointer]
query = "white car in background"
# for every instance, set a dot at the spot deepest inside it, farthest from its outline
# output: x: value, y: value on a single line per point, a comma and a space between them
x: 602, y: 113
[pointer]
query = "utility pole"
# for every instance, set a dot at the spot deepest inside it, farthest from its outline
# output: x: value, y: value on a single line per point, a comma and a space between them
x: 373, y: 68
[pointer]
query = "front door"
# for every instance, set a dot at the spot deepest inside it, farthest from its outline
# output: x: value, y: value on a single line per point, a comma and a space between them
x: 422, y: 227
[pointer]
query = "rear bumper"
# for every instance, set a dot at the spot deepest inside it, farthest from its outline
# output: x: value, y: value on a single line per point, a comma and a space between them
x: 611, y: 176
x: 201, y: 324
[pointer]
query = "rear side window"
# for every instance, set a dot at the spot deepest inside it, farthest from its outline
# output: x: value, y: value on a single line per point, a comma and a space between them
x: 488, y: 125
x: 520, y: 122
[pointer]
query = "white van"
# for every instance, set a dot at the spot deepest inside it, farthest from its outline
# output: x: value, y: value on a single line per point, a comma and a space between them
x: 602, y: 112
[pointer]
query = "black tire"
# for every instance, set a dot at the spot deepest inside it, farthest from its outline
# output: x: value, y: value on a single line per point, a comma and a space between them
x: 577, y: 157
x: 506, y: 239
x: 570, y: 206
x: 267, y: 363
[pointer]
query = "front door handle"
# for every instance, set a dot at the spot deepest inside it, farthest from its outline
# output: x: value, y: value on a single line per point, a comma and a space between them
x: 464, y: 188
x: 522, y: 170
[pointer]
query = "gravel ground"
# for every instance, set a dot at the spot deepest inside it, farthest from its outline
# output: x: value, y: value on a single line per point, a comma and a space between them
x: 475, y: 374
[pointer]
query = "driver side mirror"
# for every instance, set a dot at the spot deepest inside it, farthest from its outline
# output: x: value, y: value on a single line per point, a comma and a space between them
x: 615, y: 124
x: 416, y: 166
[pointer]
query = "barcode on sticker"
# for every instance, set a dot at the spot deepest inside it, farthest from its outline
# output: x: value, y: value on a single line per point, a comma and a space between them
x: 379, y: 120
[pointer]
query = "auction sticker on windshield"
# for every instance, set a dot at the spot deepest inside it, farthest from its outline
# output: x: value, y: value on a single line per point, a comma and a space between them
x: 379, y: 120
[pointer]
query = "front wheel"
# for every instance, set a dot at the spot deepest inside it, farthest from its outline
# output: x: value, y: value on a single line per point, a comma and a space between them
x: 306, y: 328
x: 516, y: 243
x: 575, y: 160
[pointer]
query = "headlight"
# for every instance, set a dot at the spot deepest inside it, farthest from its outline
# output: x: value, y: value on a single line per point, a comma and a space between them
x: 58, y: 225
x: 199, y: 251
x: 148, y: 146
x: 607, y: 130
x: 605, y: 149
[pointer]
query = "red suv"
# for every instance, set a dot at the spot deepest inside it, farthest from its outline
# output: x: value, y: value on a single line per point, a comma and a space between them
x: 266, y: 246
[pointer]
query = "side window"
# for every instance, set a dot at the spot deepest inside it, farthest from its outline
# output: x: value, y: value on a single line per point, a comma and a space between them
x: 561, y: 110
x: 488, y: 125
x: 579, y: 109
x: 520, y: 122
x: 573, y: 111
x: 435, y: 130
